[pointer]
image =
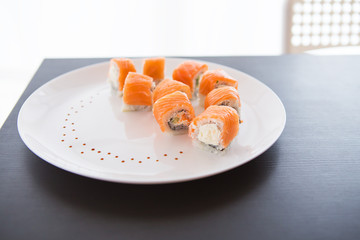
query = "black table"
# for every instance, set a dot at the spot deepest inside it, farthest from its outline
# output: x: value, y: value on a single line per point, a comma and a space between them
x: 306, y: 186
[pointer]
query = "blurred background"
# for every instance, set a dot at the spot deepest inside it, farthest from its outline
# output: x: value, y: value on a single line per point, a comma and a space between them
x: 32, y: 30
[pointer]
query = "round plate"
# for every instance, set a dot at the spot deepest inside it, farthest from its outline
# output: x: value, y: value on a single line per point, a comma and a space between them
x: 75, y: 123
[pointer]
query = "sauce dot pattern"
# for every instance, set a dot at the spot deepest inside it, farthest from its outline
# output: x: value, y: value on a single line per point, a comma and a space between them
x: 69, y: 129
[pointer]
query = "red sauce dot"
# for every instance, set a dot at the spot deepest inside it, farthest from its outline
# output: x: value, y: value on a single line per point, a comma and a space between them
x: 66, y: 119
x: 92, y: 149
x: 132, y: 158
x: 68, y: 114
x: 101, y: 158
x: 64, y: 134
x: 176, y: 159
x: 72, y: 123
x: 148, y: 157
x: 140, y: 161
x: 181, y: 152
x: 122, y: 161
x: 73, y: 130
x: 109, y: 153
x: 62, y: 140
x: 76, y: 138
x: 64, y: 127
x: 82, y: 152
x: 99, y: 151
x: 116, y: 156
x: 157, y: 160
x: 70, y: 146
x: 165, y: 155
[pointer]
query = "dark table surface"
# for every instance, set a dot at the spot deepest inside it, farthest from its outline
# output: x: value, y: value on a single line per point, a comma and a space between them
x: 306, y: 186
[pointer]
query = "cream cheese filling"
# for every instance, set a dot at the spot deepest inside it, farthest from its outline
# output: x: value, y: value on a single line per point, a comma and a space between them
x: 209, y: 134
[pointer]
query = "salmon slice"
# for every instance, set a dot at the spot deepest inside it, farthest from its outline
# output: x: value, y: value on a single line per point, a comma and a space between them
x: 118, y: 71
x: 189, y: 72
x: 137, y: 92
x: 174, y: 113
x: 214, y: 79
x: 155, y: 68
x: 168, y: 86
x: 224, y: 96
x: 215, y: 128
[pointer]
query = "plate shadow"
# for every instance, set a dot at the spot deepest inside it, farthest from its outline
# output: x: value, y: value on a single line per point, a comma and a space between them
x: 187, y: 199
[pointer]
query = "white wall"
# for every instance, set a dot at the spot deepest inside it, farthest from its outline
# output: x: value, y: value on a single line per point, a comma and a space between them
x: 33, y: 30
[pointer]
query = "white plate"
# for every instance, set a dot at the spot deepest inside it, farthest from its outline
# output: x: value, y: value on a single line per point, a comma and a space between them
x: 74, y: 123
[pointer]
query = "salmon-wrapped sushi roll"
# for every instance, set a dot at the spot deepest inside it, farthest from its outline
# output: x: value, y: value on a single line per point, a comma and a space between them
x: 189, y: 72
x: 214, y: 79
x: 174, y: 113
x: 215, y: 128
x: 224, y: 96
x: 168, y: 86
x: 155, y: 68
x: 137, y: 92
x: 118, y: 71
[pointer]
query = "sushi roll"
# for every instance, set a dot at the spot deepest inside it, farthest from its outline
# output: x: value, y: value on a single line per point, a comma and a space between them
x: 214, y: 79
x: 174, y: 113
x: 168, y: 86
x: 190, y: 72
x: 155, y: 68
x: 118, y: 71
x: 224, y: 96
x: 215, y: 128
x: 137, y: 92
